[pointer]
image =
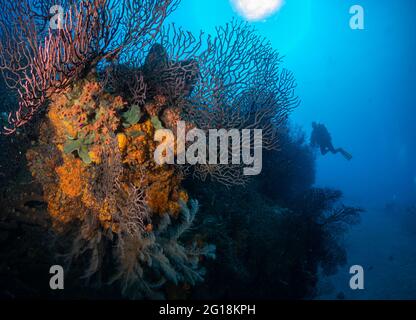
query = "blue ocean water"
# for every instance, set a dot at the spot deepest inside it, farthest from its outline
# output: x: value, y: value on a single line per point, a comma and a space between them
x: 361, y: 85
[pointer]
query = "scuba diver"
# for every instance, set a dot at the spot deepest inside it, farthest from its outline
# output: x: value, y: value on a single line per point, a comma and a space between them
x: 321, y: 138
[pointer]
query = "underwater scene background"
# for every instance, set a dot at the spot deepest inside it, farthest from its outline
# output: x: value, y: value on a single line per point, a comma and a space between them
x: 82, y: 100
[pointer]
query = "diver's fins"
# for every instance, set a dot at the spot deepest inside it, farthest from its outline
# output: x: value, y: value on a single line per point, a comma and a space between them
x: 346, y: 155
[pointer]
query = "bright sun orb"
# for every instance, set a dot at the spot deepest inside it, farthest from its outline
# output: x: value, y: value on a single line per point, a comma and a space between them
x: 254, y: 10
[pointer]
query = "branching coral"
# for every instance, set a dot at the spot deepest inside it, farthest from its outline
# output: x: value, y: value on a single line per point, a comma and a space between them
x: 242, y: 84
x: 39, y: 62
x: 241, y: 87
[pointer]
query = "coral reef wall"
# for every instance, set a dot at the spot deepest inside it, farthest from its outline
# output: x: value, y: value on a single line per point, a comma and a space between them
x: 94, y: 160
x: 89, y: 105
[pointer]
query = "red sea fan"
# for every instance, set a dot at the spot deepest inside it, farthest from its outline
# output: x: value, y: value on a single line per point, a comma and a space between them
x: 38, y: 61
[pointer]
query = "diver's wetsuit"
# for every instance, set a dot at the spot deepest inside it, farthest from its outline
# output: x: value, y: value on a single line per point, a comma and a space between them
x: 321, y: 137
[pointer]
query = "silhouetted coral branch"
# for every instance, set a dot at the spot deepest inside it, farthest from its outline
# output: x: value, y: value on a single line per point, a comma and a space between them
x: 240, y: 86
